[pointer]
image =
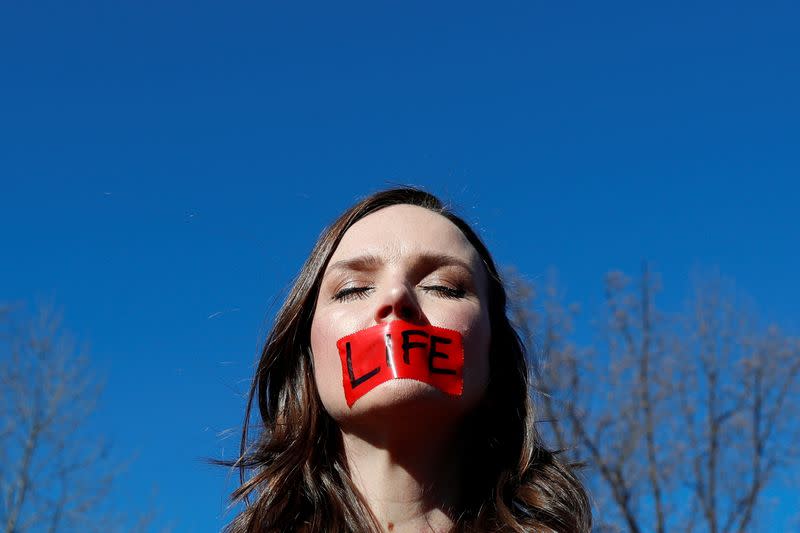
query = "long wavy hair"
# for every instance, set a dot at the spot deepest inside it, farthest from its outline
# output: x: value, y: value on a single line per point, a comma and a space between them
x: 293, y: 473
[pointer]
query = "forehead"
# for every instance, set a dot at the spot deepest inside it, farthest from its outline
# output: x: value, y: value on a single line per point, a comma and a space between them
x: 405, y: 230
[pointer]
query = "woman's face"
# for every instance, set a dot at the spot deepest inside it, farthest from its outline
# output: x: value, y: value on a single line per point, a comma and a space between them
x: 402, y: 262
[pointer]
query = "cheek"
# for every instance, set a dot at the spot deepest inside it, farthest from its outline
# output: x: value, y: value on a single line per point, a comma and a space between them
x: 325, y: 331
x: 477, y: 337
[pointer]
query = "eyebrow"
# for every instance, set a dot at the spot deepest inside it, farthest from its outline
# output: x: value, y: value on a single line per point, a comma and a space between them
x: 370, y: 263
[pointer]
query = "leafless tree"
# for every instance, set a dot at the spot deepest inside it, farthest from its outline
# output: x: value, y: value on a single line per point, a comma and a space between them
x: 54, y: 476
x: 683, y: 418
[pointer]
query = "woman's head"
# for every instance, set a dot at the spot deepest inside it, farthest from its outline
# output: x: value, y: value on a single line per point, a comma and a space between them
x: 410, y: 263
x: 398, y: 254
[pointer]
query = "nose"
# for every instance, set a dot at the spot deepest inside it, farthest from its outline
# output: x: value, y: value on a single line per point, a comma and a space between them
x: 398, y: 301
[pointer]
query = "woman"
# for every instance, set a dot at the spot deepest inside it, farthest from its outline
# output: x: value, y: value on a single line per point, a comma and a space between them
x: 449, y: 445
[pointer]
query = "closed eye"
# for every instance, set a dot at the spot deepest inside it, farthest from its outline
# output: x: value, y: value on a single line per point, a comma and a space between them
x: 351, y: 293
x: 445, y: 292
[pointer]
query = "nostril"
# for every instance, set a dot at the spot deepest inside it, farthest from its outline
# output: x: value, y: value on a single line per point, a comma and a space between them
x: 384, y: 312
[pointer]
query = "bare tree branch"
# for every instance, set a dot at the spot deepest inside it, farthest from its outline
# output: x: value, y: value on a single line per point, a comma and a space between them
x: 54, y: 475
x: 683, y: 418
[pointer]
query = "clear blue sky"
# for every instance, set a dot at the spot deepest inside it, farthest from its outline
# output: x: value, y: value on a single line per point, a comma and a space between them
x: 166, y: 167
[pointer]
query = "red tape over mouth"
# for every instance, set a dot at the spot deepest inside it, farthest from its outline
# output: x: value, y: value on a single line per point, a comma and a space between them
x: 400, y: 350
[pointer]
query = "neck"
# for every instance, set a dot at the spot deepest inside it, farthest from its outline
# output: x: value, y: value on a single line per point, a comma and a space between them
x: 408, y: 474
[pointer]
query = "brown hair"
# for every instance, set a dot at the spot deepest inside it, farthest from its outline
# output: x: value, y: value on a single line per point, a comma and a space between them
x: 300, y: 480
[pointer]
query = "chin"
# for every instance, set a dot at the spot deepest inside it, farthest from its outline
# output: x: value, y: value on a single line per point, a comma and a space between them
x: 396, y: 391
x: 399, y: 400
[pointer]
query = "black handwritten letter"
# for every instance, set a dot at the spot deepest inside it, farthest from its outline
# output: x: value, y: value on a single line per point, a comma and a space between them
x: 433, y: 354
x: 407, y: 345
x: 356, y: 381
